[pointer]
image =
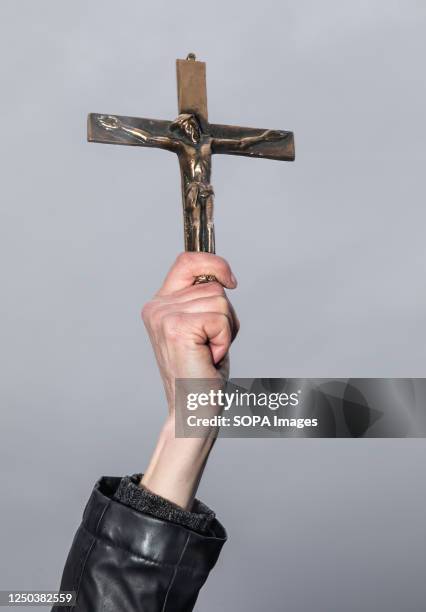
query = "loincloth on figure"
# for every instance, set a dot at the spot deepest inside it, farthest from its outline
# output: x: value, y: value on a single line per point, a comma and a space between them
x: 197, y: 191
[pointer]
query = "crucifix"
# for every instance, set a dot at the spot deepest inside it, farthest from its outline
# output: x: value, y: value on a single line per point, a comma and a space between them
x: 194, y: 140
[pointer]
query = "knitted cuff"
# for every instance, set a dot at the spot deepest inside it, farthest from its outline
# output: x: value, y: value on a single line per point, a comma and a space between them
x: 132, y: 494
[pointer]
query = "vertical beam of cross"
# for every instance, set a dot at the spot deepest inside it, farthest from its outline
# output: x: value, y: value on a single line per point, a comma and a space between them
x: 192, y: 87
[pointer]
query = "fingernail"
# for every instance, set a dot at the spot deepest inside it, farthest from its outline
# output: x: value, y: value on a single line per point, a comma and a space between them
x: 233, y: 279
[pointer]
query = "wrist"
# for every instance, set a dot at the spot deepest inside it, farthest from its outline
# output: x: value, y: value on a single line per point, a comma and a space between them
x: 176, y: 465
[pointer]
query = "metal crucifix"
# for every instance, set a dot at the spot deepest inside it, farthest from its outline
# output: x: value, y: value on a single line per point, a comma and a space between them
x: 194, y: 140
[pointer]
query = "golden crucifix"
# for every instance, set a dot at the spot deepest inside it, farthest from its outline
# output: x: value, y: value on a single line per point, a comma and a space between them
x: 194, y: 140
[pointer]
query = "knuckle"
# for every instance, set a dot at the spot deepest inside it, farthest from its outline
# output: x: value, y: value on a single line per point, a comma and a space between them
x: 151, y: 313
x: 222, y: 320
x: 222, y: 304
x: 146, y: 312
x: 156, y: 316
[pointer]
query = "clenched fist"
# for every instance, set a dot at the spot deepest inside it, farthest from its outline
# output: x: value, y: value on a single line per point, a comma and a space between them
x: 191, y: 327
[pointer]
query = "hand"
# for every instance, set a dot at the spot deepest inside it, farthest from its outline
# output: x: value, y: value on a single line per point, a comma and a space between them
x: 271, y: 135
x: 191, y: 327
x: 109, y: 122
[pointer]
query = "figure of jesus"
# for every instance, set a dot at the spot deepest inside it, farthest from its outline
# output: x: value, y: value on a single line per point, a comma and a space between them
x: 194, y: 149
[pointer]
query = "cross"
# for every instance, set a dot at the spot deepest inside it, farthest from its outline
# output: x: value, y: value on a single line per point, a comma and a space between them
x: 194, y: 140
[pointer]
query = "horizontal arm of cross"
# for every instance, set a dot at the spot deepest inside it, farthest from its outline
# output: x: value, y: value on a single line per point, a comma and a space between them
x: 227, y: 139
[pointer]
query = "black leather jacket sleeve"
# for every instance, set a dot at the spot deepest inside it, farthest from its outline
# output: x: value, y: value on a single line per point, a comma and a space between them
x: 122, y: 560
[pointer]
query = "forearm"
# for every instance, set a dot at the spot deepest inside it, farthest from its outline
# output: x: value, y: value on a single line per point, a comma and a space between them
x: 176, y: 466
x: 137, y: 133
x: 248, y: 141
x: 149, y: 139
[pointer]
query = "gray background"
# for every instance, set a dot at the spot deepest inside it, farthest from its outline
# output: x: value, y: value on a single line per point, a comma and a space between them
x: 330, y: 260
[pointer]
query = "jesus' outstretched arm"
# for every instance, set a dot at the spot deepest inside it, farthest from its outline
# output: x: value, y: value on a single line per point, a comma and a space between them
x: 113, y: 123
x: 225, y: 144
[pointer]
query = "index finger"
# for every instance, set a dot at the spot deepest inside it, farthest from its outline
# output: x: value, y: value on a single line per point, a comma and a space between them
x: 189, y: 265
